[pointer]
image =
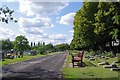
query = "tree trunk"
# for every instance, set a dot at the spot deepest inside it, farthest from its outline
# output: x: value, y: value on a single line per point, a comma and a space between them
x: 110, y: 45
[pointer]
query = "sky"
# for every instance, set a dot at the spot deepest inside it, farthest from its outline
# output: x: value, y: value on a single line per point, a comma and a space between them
x: 49, y: 22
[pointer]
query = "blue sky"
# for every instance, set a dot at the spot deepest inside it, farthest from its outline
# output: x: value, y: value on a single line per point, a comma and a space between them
x: 50, y: 22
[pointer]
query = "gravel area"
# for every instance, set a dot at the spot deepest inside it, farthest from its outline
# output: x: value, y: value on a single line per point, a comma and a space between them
x: 43, y: 68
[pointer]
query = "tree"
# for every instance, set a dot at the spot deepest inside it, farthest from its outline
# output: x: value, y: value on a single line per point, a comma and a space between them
x: 39, y: 43
x: 95, y: 25
x: 21, y: 43
x: 34, y: 44
x: 6, y: 14
x: 49, y: 47
x: 107, y: 23
x: 41, y: 49
x: 7, y: 44
x: 31, y: 45
x: 62, y: 47
x: 83, y: 26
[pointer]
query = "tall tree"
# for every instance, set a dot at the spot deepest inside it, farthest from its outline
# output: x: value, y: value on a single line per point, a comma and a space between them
x: 34, y: 44
x: 49, y: 47
x: 83, y: 26
x: 21, y: 43
x: 107, y: 22
x: 7, y: 44
x: 96, y: 23
x: 31, y: 45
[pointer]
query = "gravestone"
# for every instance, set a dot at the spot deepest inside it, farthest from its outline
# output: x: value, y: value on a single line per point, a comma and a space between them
x: 106, y: 57
x: 115, y: 69
x: 91, y: 59
x: 103, y: 63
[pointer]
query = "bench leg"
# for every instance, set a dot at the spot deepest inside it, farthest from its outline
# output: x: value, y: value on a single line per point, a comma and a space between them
x: 73, y: 64
x: 81, y: 64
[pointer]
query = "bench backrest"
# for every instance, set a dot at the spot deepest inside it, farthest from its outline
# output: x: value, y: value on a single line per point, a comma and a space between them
x: 80, y: 54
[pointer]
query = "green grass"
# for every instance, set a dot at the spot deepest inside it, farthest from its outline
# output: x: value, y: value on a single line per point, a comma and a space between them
x: 27, y: 57
x: 91, y: 71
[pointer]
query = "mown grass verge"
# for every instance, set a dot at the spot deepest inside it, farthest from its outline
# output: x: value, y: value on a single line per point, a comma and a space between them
x: 26, y: 57
x: 91, y: 71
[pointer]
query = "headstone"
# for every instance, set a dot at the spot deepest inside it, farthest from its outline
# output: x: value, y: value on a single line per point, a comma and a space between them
x: 113, y: 65
x: 88, y: 57
x: 102, y: 56
x: 91, y: 59
x: 115, y: 69
x: 107, y: 66
x: 97, y: 56
x: 117, y: 62
x: 103, y: 63
x: 106, y: 57
x: 110, y: 66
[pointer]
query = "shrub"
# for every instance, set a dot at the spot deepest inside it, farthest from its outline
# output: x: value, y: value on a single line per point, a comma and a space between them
x: 41, y: 50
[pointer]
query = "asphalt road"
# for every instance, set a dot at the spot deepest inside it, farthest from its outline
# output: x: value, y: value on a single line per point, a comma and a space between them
x: 43, y: 68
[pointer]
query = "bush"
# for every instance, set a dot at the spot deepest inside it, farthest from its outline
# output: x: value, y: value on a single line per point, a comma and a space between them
x: 109, y: 54
x: 92, y: 53
x: 41, y: 50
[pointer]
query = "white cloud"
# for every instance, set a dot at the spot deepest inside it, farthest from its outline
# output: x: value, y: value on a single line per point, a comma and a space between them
x: 57, y: 37
x: 34, y: 25
x: 72, y: 31
x: 37, y: 22
x: 9, y: 0
x: 31, y: 8
x: 6, y: 33
x: 47, y: 38
x: 67, y: 19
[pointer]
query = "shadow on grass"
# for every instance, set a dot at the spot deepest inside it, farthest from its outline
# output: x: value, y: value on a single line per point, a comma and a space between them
x: 89, y: 64
x: 86, y: 64
x: 91, y: 79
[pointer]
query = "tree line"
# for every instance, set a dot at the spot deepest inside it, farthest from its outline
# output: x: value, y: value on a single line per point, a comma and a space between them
x: 97, y: 27
x: 21, y: 44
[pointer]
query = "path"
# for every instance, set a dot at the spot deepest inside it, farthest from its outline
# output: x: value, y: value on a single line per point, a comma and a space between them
x: 43, y: 68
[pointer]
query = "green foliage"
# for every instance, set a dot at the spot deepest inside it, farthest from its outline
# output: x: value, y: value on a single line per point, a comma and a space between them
x: 21, y: 43
x: 49, y: 47
x: 109, y: 54
x: 62, y: 47
x: 4, y: 10
x: 95, y: 25
x: 83, y: 27
x: 41, y: 49
x: 6, y: 44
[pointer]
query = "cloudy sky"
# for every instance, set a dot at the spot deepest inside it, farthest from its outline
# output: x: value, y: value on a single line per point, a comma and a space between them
x: 50, y: 22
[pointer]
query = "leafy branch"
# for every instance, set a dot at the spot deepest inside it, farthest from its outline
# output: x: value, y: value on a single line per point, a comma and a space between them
x: 6, y: 14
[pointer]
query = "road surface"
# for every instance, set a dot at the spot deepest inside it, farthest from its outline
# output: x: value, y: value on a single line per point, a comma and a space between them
x: 43, y: 68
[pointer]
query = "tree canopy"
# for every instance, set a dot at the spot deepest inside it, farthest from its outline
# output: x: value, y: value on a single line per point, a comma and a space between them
x: 21, y: 43
x: 96, y: 24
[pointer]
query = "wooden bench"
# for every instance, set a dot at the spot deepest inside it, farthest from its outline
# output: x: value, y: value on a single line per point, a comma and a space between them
x: 78, y: 58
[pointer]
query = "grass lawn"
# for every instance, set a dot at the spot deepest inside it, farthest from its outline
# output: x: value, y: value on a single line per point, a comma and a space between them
x: 26, y: 57
x: 91, y: 71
